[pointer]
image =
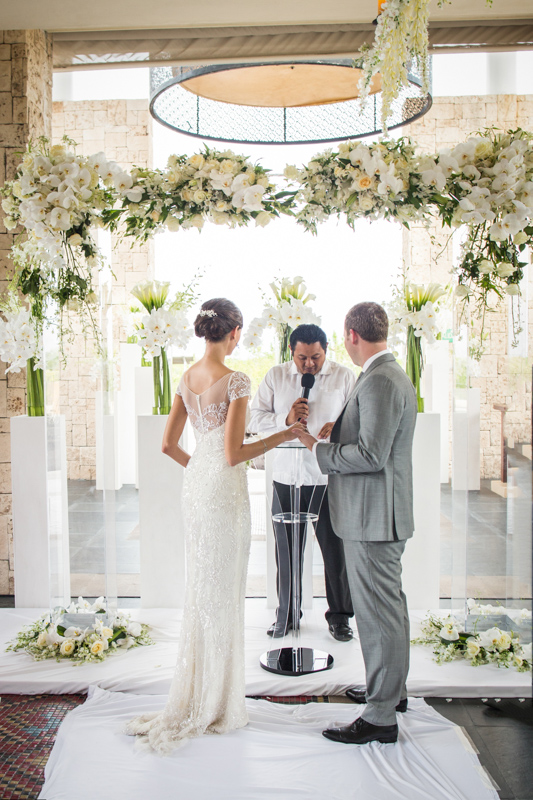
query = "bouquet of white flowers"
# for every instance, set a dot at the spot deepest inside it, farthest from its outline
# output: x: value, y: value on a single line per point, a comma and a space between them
x: 221, y: 187
x: 377, y: 181
x: 21, y: 346
x: 493, y: 646
x: 290, y: 310
x: 487, y: 184
x: 159, y: 329
x: 84, y: 641
x: 413, y: 317
x: 56, y: 197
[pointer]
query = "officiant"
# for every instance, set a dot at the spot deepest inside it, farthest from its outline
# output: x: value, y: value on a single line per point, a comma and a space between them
x: 279, y: 403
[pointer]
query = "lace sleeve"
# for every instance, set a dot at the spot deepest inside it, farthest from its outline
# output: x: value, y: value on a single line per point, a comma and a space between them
x: 239, y: 386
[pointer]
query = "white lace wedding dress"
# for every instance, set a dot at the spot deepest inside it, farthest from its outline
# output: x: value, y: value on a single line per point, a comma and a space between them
x: 207, y: 694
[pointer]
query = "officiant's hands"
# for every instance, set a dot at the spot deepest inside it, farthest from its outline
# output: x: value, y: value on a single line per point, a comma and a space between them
x: 299, y: 411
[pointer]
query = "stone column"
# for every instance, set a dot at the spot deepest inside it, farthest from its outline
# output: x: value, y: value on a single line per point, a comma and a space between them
x: 25, y: 113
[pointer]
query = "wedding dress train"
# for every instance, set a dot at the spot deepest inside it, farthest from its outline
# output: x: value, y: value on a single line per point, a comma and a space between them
x: 207, y: 694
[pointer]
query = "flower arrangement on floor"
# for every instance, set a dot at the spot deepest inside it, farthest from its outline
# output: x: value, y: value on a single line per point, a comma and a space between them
x: 221, y: 187
x: 487, y: 184
x: 57, y: 197
x: 493, y: 646
x: 21, y: 346
x: 45, y: 639
x: 413, y: 315
x: 290, y: 309
x: 163, y: 326
x: 377, y: 181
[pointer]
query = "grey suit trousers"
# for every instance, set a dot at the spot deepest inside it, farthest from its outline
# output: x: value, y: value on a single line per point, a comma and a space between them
x: 374, y: 574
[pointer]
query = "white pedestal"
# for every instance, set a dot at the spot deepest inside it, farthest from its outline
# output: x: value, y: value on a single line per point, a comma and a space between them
x: 40, y: 511
x: 144, y: 401
x: 421, y: 560
x: 130, y: 359
x: 107, y: 449
x: 307, y: 572
x: 160, y: 518
x: 466, y: 463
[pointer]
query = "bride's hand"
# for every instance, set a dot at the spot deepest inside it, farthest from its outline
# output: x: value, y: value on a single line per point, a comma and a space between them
x: 293, y: 431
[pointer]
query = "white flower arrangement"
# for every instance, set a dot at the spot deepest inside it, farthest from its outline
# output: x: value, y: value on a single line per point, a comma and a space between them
x: 493, y: 646
x: 413, y: 314
x: 80, y: 644
x: 21, y: 347
x: 487, y: 184
x: 290, y: 310
x: 377, y: 181
x: 56, y: 198
x: 162, y: 327
x: 220, y: 187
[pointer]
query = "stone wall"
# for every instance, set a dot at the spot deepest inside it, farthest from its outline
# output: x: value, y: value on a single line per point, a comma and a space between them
x: 429, y: 256
x: 25, y: 113
x: 121, y: 129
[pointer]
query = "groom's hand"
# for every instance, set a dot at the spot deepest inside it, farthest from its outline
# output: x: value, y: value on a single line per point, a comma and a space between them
x: 325, y: 431
x: 305, y: 437
x: 299, y: 412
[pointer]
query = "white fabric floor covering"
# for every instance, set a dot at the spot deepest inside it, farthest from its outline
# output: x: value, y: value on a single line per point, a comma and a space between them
x: 149, y: 670
x: 281, y: 754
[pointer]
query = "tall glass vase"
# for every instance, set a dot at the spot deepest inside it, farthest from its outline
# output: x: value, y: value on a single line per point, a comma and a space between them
x: 284, y: 333
x: 162, y: 387
x: 415, y: 363
x: 34, y: 389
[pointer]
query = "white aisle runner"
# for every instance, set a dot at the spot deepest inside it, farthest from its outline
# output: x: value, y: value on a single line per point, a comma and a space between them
x: 281, y: 754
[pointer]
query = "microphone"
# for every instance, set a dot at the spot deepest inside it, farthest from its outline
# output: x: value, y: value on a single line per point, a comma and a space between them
x: 308, y: 381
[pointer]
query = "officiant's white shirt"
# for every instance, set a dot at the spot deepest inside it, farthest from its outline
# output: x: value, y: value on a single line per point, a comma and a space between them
x: 280, y: 387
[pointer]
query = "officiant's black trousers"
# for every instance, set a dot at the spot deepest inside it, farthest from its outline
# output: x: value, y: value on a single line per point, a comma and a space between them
x: 315, y: 500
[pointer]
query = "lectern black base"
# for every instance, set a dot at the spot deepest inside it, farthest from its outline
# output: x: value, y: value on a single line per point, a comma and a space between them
x: 296, y: 661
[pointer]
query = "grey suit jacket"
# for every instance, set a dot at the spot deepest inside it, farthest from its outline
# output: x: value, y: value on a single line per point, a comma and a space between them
x: 369, y: 457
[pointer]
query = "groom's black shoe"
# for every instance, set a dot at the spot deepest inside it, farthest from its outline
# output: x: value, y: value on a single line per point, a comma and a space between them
x: 359, y: 697
x: 277, y: 631
x: 340, y: 631
x: 362, y: 732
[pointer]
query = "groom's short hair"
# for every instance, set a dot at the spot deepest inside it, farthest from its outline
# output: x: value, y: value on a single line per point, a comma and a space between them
x: 369, y: 320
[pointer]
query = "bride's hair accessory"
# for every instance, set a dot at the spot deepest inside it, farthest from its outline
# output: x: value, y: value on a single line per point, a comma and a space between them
x: 208, y: 312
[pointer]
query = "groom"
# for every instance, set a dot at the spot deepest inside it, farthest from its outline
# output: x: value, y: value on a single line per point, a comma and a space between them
x: 369, y: 464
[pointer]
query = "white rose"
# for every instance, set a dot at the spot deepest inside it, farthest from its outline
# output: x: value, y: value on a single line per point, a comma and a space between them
x: 42, y: 639
x: 197, y: 221
x: 220, y: 218
x: 520, y: 237
x: 172, y: 223
x: 263, y: 218
x: 517, y: 660
x: 226, y: 166
x: 135, y: 194
x: 155, y: 215
x: 75, y: 240
x: 67, y: 647
x: 461, y: 290
x: 197, y: 161
x: 199, y: 196
x: 504, y: 641
x: 513, y: 289
x: 483, y: 148
x: 9, y: 223
x: 107, y: 632
x: 366, y: 203
x: 472, y: 648
x: 485, y: 267
x: 97, y: 647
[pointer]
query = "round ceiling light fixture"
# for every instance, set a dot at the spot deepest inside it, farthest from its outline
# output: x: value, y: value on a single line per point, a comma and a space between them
x: 277, y: 102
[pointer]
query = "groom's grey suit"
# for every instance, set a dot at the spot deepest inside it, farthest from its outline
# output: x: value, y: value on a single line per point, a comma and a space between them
x: 369, y: 463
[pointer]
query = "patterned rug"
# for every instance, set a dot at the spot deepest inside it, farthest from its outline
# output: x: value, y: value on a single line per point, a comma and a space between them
x: 28, y: 728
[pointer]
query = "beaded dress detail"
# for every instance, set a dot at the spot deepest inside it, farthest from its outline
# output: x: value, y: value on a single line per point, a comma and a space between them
x: 207, y: 694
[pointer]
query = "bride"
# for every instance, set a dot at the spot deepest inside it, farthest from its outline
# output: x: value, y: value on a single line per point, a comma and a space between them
x: 207, y: 694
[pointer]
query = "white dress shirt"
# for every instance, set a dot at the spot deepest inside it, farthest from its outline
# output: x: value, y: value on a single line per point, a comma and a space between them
x: 280, y: 387
x: 363, y: 369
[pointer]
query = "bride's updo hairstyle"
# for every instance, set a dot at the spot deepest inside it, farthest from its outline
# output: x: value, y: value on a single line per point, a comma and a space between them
x: 216, y: 319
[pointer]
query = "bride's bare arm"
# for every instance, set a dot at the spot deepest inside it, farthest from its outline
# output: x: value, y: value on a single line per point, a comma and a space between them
x: 173, y: 430
x: 236, y: 451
